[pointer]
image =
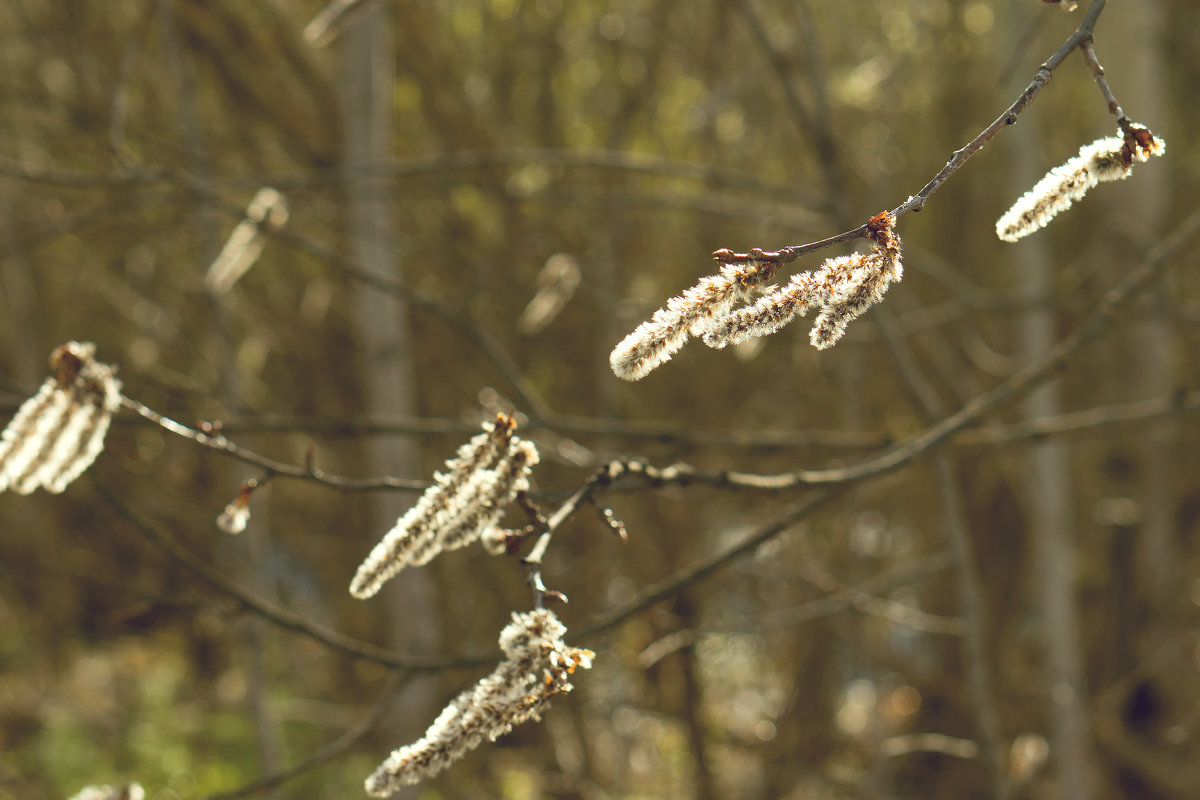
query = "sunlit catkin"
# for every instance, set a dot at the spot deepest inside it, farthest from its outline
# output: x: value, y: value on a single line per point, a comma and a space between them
x: 653, y: 342
x: 537, y: 666
x: 843, y: 288
x: 858, y: 283
x: 1108, y: 159
x: 58, y: 432
x: 460, y: 504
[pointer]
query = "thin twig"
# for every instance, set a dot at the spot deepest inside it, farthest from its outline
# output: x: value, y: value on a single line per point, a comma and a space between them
x: 957, y: 159
x: 273, y: 468
x: 670, y: 586
x: 1089, y: 57
x: 644, y: 474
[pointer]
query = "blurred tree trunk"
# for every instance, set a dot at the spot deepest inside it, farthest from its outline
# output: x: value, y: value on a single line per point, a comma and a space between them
x: 385, y: 345
x: 1049, y: 507
x: 1153, y: 360
x: 1137, y: 726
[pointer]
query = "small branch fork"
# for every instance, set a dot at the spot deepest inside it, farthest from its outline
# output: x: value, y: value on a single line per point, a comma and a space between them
x: 1081, y: 38
x: 599, y: 480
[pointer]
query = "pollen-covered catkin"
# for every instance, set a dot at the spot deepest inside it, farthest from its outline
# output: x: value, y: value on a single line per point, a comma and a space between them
x: 1107, y: 159
x: 861, y: 283
x: 843, y: 288
x: 653, y: 342
x: 58, y: 432
x: 770, y: 313
x: 492, y: 491
x: 537, y: 666
x: 484, y: 477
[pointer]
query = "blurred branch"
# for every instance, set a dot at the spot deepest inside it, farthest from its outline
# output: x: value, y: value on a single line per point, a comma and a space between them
x: 900, y: 614
x: 288, y: 620
x: 430, y: 165
x: 330, y: 751
x: 1172, y: 773
x: 628, y: 429
x: 73, y: 179
x: 929, y: 743
x: 844, y: 598
x: 669, y: 587
x: 1075, y: 421
x: 581, y: 158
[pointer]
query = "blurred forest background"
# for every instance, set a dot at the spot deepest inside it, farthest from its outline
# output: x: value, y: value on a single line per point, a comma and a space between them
x: 1013, y: 614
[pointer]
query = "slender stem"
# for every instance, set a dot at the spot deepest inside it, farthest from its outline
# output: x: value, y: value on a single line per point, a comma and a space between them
x: 1089, y: 57
x: 216, y: 441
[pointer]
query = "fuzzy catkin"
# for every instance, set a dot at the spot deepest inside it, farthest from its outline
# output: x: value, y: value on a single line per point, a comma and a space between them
x: 497, y: 488
x: 455, y: 510
x: 268, y: 208
x: 768, y: 314
x: 866, y: 280
x: 537, y: 666
x: 59, y: 432
x: 1104, y: 160
x: 655, y: 341
x: 844, y: 287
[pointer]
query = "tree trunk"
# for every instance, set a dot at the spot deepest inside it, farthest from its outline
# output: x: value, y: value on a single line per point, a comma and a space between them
x: 389, y: 378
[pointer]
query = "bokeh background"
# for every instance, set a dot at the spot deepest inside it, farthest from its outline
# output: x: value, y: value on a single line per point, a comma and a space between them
x: 1015, y: 615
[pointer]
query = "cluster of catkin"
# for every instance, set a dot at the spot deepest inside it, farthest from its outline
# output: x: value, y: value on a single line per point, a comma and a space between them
x: 537, y: 666
x: 58, y: 432
x: 842, y: 288
x: 461, y: 506
x: 1107, y: 159
x: 130, y: 791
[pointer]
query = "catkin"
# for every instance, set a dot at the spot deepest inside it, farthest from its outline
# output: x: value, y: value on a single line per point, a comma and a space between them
x: 457, y: 508
x: 57, y: 433
x: 653, y: 342
x: 537, y: 667
x: 1104, y: 160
